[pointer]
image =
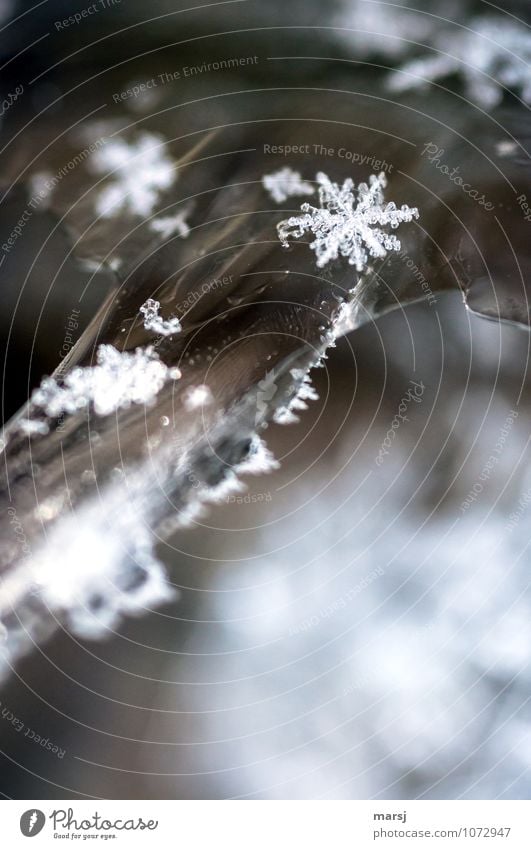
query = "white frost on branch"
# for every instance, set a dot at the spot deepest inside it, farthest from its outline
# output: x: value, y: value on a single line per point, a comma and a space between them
x: 154, y: 322
x: 137, y: 173
x: 41, y: 187
x: 118, y: 380
x: 286, y: 183
x: 305, y: 392
x: 348, y: 222
x: 372, y: 28
x: 490, y: 53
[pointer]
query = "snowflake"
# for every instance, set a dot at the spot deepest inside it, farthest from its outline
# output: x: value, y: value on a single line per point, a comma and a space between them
x: 196, y: 397
x: 153, y: 321
x: 139, y: 172
x: 344, y: 224
x: 490, y: 53
x: 286, y: 183
x: 118, y: 380
x: 170, y: 224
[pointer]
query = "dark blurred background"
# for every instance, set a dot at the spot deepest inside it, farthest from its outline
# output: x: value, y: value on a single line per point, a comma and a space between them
x: 349, y: 632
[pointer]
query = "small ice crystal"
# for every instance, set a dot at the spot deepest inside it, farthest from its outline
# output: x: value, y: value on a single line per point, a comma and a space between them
x: 169, y: 225
x: 345, y: 223
x: 118, y: 380
x: 286, y: 183
x: 153, y: 321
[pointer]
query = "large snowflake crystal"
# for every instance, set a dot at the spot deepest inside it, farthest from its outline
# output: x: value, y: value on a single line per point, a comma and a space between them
x: 489, y: 53
x: 348, y: 222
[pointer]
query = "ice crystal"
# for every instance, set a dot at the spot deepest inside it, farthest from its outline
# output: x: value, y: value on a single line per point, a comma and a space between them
x: 384, y: 29
x: 33, y: 426
x: 345, y: 223
x: 168, y: 225
x: 197, y: 396
x: 118, y: 380
x: 116, y: 572
x: 286, y: 183
x: 506, y: 148
x: 490, y: 53
x: 139, y: 172
x: 154, y: 322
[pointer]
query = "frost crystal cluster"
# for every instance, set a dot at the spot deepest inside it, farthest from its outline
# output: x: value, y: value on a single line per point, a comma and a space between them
x: 118, y: 380
x: 286, y: 183
x: 139, y: 172
x: 154, y: 322
x: 348, y: 222
x: 489, y: 53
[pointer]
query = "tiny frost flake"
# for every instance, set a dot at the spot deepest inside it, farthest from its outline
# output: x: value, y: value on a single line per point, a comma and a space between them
x: 118, y: 380
x: 345, y: 223
x: 168, y: 225
x: 286, y: 183
x: 154, y: 322
x: 506, y: 148
x: 32, y: 426
x: 489, y: 53
x: 139, y: 171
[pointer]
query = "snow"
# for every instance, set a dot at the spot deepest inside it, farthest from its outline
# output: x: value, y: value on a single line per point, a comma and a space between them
x: 259, y: 461
x: 153, y: 321
x: 489, y: 53
x: 169, y: 225
x: 118, y: 380
x: 286, y: 183
x: 345, y: 222
x: 138, y: 172
x: 41, y: 188
x: 305, y: 392
x: 116, y: 571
